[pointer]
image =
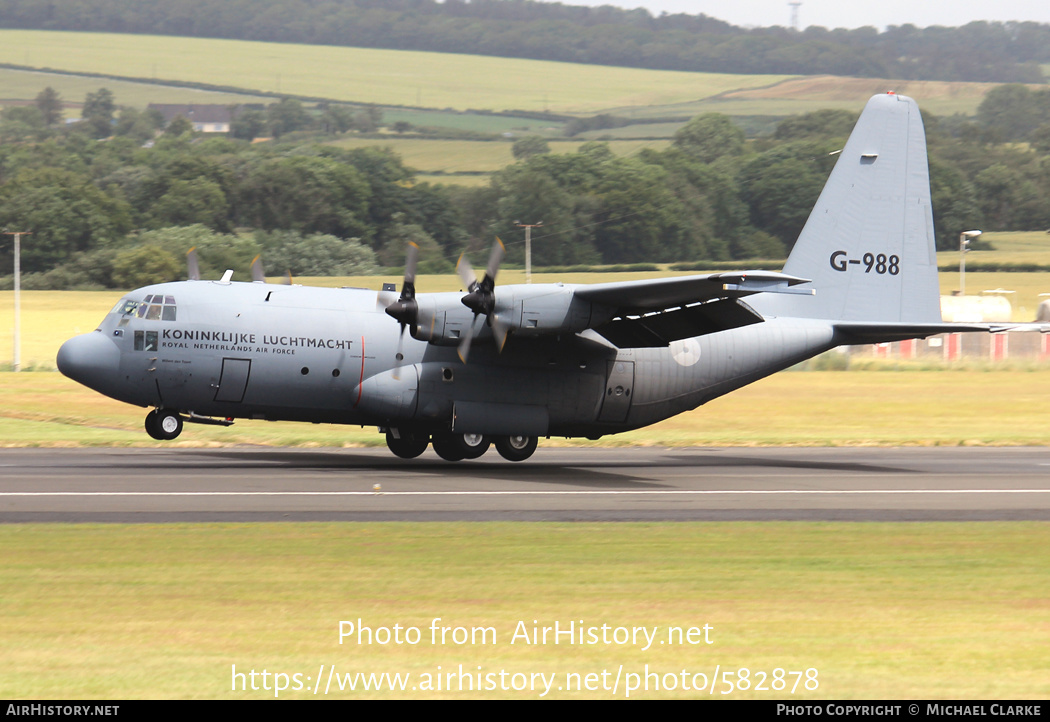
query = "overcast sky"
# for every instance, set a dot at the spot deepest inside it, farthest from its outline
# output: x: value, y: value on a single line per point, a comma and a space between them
x: 845, y: 13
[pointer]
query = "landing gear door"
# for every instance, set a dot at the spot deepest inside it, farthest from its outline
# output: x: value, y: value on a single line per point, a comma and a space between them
x: 234, y: 379
x: 619, y: 387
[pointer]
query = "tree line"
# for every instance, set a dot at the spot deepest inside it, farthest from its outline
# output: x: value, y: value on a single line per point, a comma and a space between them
x: 978, y: 51
x: 112, y: 205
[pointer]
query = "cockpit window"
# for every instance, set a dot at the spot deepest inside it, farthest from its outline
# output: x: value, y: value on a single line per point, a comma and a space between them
x: 126, y: 307
x: 146, y: 341
x: 154, y: 307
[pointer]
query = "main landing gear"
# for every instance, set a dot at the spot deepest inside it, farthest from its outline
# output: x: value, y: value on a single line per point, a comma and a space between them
x: 163, y: 424
x: 457, y: 447
x: 516, y: 448
x: 407, y: 446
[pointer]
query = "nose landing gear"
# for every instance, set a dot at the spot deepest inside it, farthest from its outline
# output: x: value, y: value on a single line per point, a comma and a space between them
x: 163, y: 424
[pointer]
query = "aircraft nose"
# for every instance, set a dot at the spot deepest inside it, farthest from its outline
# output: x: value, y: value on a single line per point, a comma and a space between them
x: 90, y: 358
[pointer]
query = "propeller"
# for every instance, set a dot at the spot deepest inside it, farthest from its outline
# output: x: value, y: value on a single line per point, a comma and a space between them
x: 257, y: 271
x: 481, y: 297
x: 405, y: 309
x: 193, y: 271
x: 259, y: 276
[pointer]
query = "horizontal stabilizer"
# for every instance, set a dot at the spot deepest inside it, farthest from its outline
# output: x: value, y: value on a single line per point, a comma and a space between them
x: 856, y: 333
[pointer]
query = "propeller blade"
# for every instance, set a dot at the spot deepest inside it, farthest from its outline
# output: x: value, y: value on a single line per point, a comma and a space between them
x: 500, y: 330
x: 464, y: 344
x: 411, y: 257
x: 400, y: 354
x: 405, y: 309
x: 287, y: 280
x: 258, y: 276
x: 495, y: 257
x: 193, y: 271
x: 466, y: 273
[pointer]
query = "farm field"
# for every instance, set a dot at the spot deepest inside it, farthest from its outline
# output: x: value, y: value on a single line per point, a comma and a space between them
x: 384, y: 77
x: 473, y: 122
x: 476, y: 156
x: 628, y: 132
x: 804, y: 94
x: 431, y: 89
x: 24, y: 85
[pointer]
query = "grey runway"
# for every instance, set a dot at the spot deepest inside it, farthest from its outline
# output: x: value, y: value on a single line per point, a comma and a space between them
x: 585, y: 484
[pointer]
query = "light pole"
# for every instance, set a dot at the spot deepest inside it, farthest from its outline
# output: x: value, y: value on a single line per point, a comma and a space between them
x: 964, y: 242
x: 528, y: 246
x: 17, y: 360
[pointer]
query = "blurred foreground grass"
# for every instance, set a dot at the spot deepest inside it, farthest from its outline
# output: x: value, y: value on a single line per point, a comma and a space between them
x: 881, y: 611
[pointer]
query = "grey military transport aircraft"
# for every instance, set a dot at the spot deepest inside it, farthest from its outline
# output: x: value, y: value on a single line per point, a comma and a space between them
x: 506, y: 365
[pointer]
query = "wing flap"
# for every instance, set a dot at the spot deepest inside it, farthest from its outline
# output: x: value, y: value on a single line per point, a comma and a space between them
x: 656, y: 330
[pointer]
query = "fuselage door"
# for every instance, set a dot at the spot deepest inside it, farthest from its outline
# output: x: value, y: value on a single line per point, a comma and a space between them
x: 619, y: 386
x: 234, y: 379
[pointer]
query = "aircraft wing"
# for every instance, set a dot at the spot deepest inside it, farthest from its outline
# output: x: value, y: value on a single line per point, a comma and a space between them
x: 658, y: 294
x: 653, y: 313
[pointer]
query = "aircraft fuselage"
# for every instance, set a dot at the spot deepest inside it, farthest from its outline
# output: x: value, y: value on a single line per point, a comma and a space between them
x: 262, y: 351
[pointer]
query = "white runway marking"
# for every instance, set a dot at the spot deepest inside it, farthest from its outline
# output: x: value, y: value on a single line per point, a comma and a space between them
x: 611, y: 492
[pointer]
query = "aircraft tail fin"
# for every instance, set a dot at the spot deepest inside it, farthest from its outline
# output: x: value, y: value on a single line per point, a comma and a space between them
x: 868, y: 245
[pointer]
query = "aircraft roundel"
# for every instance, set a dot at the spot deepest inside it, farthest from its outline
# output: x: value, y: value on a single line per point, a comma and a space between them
x: 685, y: 352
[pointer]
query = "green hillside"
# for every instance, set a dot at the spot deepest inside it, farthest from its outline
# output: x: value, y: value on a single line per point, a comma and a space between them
x: 141, y: 69
x: 384, y: 77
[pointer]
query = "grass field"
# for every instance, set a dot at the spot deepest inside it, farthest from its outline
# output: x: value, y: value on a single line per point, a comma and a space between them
x: 434, y: 80
x: 628, y: 132
x: 474, y: 122
x: 1007, y: 247
x: 811, y: 408
x: 880, y: 611
x: 800, y: 95
x: 384, y: 77
x: 458, y: 156
x: 24, y: 85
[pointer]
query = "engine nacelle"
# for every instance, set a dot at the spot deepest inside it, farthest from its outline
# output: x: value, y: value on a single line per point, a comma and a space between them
x: 547, y: 309
x: 543, y: 309
x: 442, y: 320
